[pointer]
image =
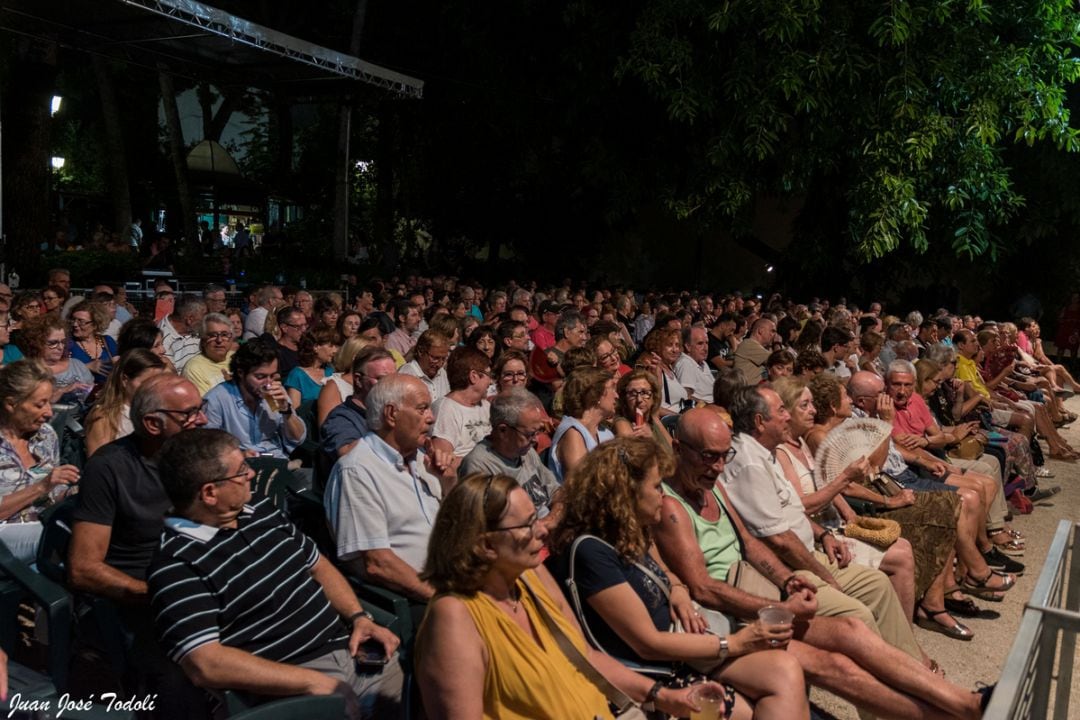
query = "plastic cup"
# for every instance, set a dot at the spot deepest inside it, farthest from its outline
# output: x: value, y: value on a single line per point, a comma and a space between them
x: 271, y: 401
x: 775, y: 615
x: 711, y: 702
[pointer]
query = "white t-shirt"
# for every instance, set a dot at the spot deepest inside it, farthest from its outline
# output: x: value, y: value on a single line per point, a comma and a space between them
x: 437, y: 386
x: 698, y: 378
x: 462, y: 426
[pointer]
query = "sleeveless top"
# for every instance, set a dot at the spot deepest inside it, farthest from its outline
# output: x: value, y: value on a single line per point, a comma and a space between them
x: 718, y: 540
x: 525, y: 680
x: 827, y: 516
x: 590, y: 442
x: 346, y: 389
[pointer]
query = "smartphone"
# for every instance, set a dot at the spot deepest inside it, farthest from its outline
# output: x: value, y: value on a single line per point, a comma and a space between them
x: 371, y: 654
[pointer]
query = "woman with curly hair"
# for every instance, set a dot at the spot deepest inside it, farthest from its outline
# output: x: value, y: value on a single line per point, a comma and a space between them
x: 491, y: 644
x: 89, y: 344
x: 637, y: 411
x: 46, y: 340
x: 109, y: 419
x: 662, y: 348
x: 627, y: 600
x: 588, y: 399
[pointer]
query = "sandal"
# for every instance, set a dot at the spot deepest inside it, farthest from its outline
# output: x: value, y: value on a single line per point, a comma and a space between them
x: 965, y: 607
x: 959, y: 631
x: 982, y: 589
x: 936, y: 669
x: 1010, y: 546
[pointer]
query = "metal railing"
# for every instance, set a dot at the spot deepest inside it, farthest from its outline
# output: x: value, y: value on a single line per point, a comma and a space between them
x: 1040, y: 662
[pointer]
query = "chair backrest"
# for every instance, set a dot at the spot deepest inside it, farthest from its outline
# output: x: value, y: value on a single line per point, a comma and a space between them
x: 56, y: 524
x: 272, y: 479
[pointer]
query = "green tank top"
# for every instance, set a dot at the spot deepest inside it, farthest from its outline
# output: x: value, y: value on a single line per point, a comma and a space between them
x: 718, y: 540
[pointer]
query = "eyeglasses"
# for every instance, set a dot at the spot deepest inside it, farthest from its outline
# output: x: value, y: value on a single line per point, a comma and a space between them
x: 711, y: 457
x: 80, y: 322
x: 531, y: 525
x: 530, y: 436
x: 608, y: 355
x: 33, y: 305
x: 245, y: 472
x: 296, y: 326
x: 633, y: 394
x: 6, y: 296
x: 218, y: 336
x: 54, y: 343
x: 185, y: 416
x: 519, y: 375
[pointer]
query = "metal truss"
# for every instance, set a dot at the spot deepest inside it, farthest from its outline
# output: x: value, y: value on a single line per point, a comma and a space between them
x: 226, y: 25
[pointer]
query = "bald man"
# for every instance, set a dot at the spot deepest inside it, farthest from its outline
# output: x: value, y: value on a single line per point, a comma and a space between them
x: 700, y: 538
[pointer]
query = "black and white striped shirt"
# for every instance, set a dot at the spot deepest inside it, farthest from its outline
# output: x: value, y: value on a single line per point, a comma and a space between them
x: 249, y: 588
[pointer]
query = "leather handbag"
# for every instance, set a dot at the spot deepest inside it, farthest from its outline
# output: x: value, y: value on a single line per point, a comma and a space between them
x: 745, y: 576
x: 970, y: 448
x: 886, y: 485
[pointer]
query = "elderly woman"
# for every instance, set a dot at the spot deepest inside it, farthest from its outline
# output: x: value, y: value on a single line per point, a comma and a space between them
x: 588, y: 397
x: 662, y: 348
x: 47, y: 340
x: 26, y: 307
x: 89, y: 344
x: 53, y: 298
x: 316, y: 349
x: 31, y: 475
x: 637, y: 411
x: 627, y: 599
x: 492, y: 642
x: 825, y: 504
x: 109, y: 418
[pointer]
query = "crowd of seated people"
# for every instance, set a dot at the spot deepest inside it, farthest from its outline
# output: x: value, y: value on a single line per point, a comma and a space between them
x: 585, y: 499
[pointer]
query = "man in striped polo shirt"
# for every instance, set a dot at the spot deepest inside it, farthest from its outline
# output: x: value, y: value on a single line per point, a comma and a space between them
x: 243, y: 601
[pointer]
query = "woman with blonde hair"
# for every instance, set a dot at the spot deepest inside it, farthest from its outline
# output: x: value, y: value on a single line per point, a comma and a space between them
x: 626, y: 599
x: 109, y: 420
x: 339, y: 386
x: 492, y: 641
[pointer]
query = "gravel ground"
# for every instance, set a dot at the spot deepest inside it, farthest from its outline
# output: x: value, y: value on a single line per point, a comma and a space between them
x: 981, y: 659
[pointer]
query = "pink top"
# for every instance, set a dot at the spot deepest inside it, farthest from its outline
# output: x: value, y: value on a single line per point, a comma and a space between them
x: 914, y: 418
x: 1024, y: 342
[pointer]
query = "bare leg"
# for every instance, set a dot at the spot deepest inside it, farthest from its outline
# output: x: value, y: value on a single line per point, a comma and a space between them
x: 899, y: 565
x: 878, y: 677
x: 1023, y: 424
x: 773, y: 679
x: 972, y: 491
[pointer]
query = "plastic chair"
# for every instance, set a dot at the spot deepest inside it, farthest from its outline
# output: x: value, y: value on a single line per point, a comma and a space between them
x: 53, y: 600
x: 272, y: 479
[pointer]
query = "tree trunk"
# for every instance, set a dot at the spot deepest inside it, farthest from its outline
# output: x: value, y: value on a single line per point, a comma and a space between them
x: 115, y: 155
x: 214, y: 122
x: 178, y: 155
x: 384, y: 189
x: 343, y: 170
x: 31, y: 75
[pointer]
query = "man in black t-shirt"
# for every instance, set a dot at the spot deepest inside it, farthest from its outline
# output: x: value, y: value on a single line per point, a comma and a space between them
x: 122, y: 504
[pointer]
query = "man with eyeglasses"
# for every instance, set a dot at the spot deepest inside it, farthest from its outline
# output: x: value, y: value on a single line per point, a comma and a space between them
x: 432, y: 350
x: 211, y: 366
x: 178, y: 330
x: 383, y: 495
x: 702, y: 537
x: 691, y: 369
x: 292, y: 325
x: 347, y: 423
x: 773, y: 512
x: 245, y: 602
x: 517, y: 419
x: 215, y: 298
x: 117, y: 527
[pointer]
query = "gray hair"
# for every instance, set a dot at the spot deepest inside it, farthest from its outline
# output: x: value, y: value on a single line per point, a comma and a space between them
x: 213, y: 318
x: 190, y: 306
x: 391, y: 390
x: 902, y: 367
x: 213, y: 288
x: 941, y: 354
x: 149, y: 398
x: 507, y: 408
x: 265, y: 294
x: 746, y: 402
x: 914, y: 318
x: 568, y: 320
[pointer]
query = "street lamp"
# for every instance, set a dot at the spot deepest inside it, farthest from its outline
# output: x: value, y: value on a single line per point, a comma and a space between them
x: 55, y: 106
x: 57, y: 163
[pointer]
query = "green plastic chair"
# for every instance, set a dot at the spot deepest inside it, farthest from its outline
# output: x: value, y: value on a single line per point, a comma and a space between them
x: 272, y: 479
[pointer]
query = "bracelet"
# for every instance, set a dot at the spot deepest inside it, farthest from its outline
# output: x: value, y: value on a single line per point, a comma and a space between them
x: 653, y: 692
x: 682, y: 585
x: 783, y: 585
x: 819, y: 539
x: 360, y: 614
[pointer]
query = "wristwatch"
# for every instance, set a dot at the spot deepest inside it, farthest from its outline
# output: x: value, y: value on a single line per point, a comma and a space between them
x: 724, y: 649
x: 361, y: 614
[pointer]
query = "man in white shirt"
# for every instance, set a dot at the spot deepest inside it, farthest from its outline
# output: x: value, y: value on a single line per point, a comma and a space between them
x: 432, y: 349
x: 267, y: 300
x: 691, y: 368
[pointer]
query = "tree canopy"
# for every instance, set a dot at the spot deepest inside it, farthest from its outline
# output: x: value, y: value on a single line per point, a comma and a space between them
x: 904, y: 108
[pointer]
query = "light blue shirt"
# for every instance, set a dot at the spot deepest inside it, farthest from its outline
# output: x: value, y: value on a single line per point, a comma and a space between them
x: 262, y: 431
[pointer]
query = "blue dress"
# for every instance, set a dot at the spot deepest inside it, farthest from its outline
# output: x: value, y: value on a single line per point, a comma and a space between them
x: 108, y: 352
